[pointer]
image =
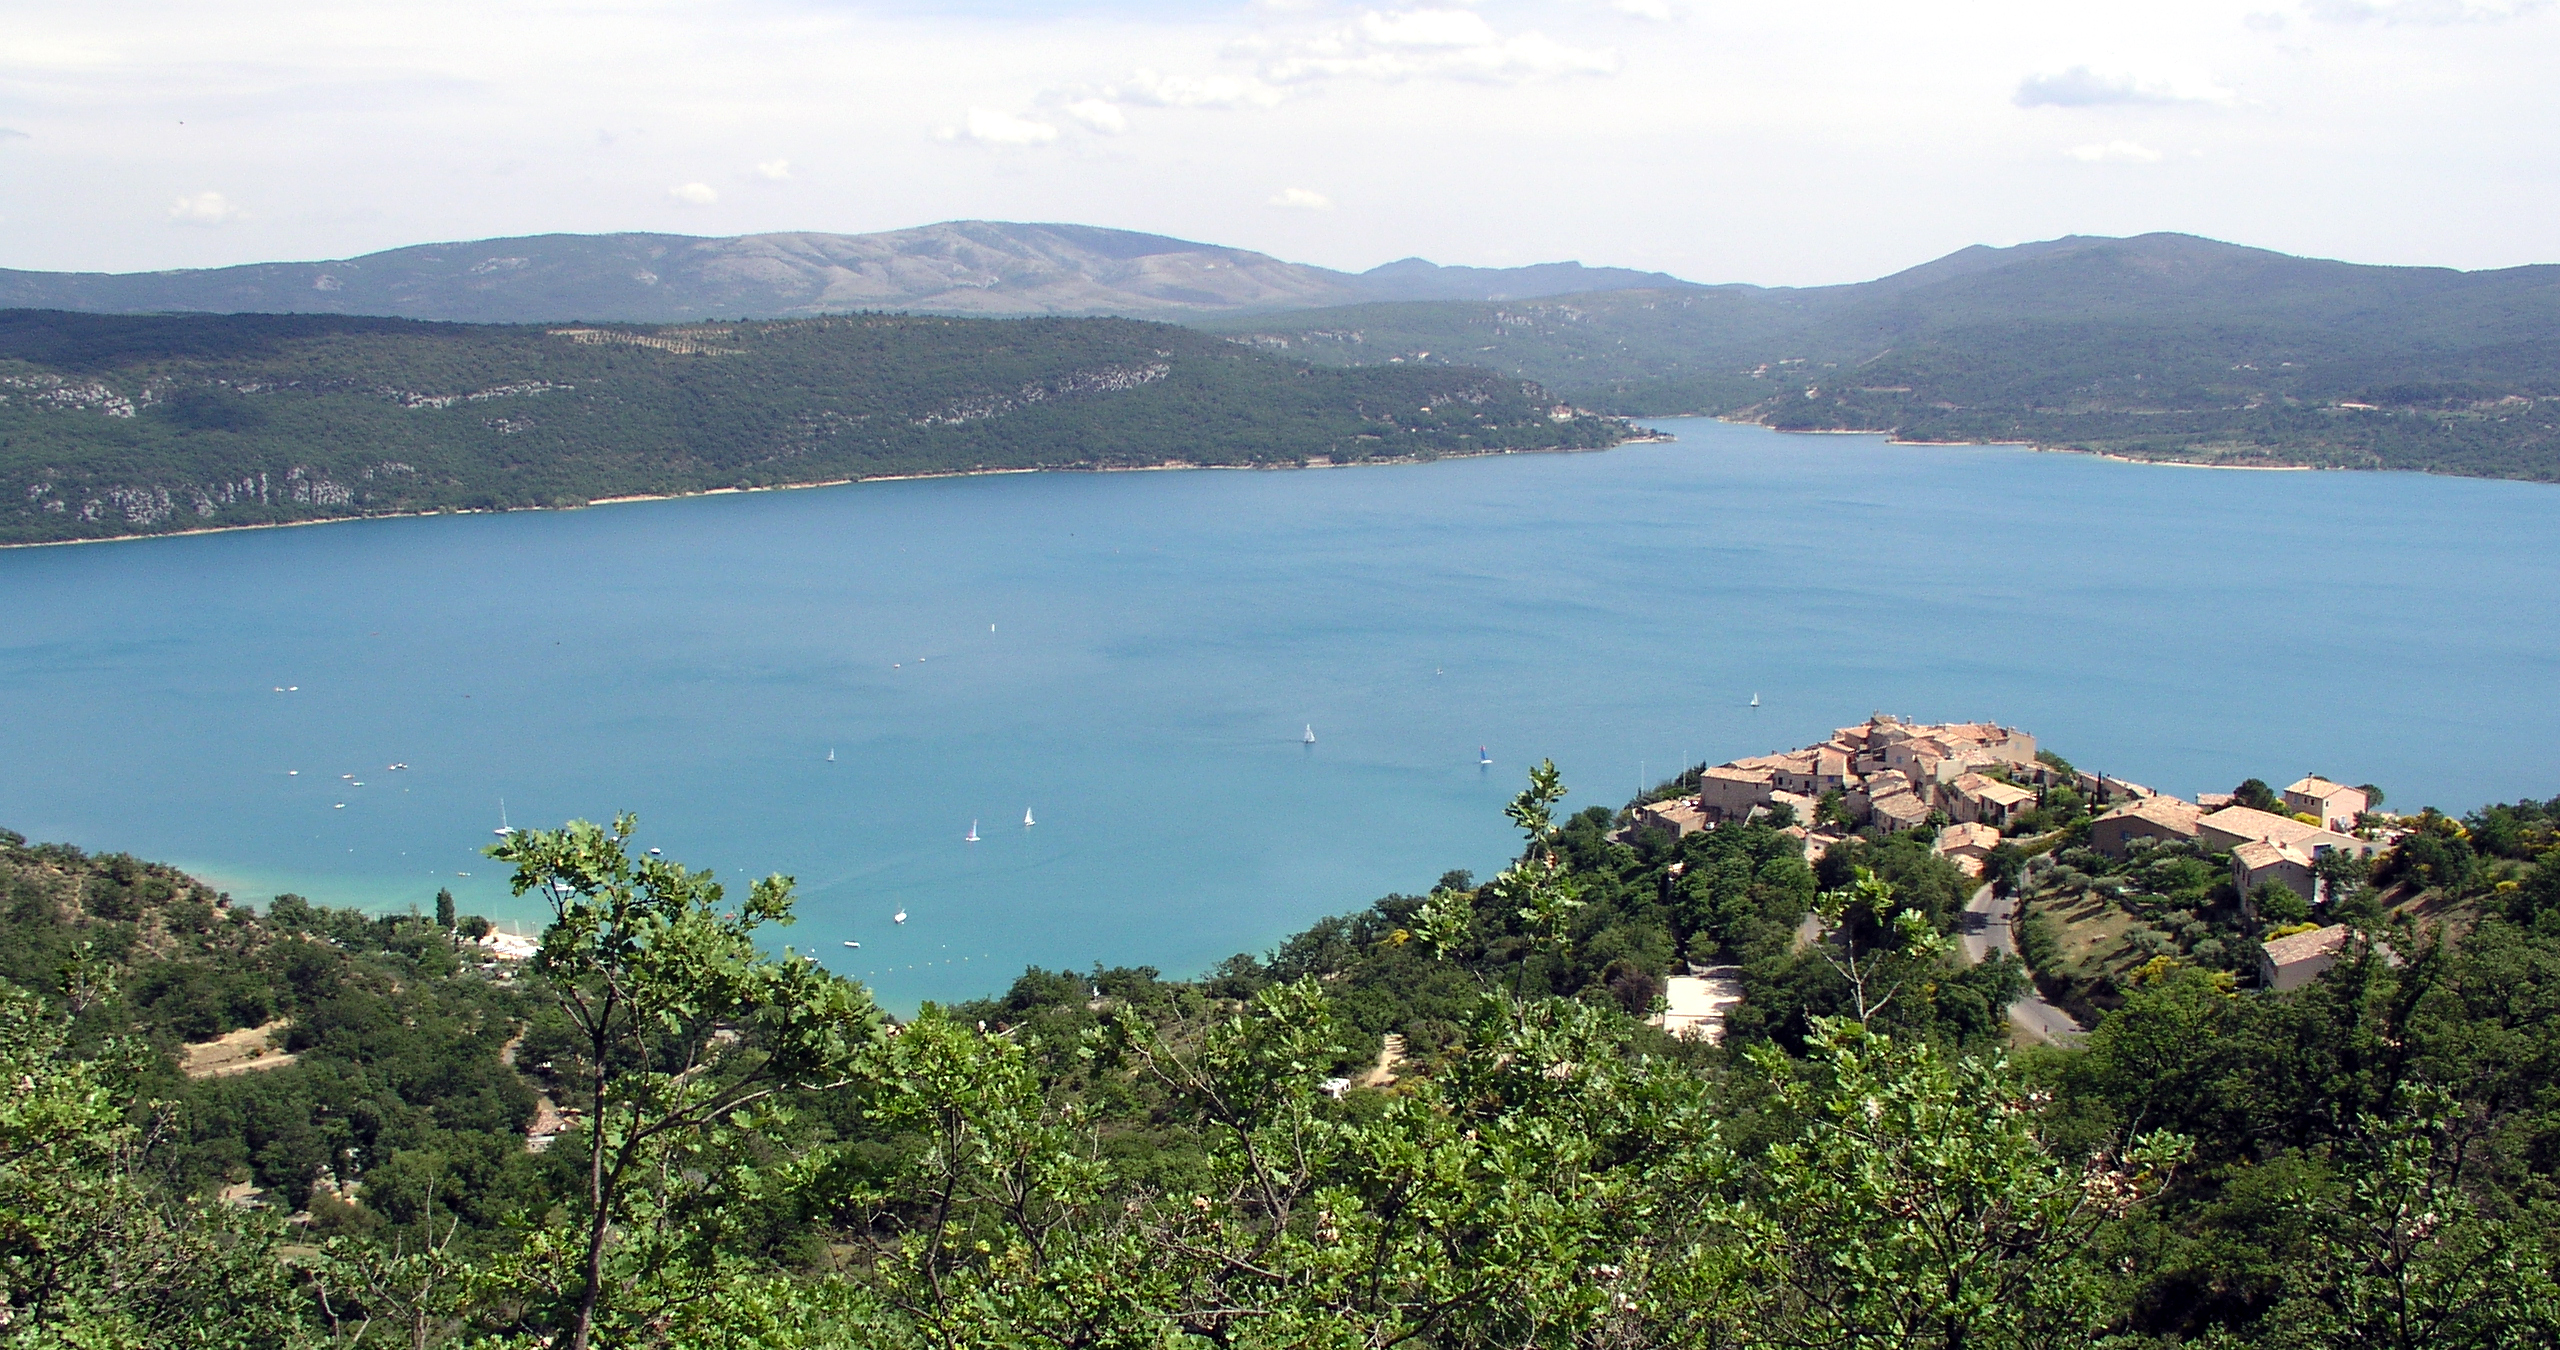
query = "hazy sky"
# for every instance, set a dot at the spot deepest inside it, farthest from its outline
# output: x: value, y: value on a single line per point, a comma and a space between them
x: 1806, y: 142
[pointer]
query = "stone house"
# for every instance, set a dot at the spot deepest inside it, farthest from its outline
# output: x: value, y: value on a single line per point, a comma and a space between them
x: 1729, y: 791
x: 1968, y: 845
x: 2334, y: 804
x: 2292, y: 962
x: 1973, y: 798
x: 1899, y: 812
x: 1675, y: 816
x: 2163, y: 818
x: 2259, y: 861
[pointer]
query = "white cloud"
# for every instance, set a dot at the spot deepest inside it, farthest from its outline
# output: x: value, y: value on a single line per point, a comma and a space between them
x: 1659, y: 11
x: 990, y: 127
x: 2114, y: 152
x: 1416, y: 42
x: 2082, y: 87
x: 1150, y: 89
x: 1100, y: 114
x: 13, y: 134
x: 694, y: 194
x: 2436, y: 12
x: 773, y: 170
x: 204, y: 208
x: 1303, y: 199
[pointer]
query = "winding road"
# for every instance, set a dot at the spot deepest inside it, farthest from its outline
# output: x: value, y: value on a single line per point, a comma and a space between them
x: 1986, y: 928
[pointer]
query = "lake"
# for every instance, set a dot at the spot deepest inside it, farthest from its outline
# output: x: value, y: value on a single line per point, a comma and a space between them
x: 1135, y: 657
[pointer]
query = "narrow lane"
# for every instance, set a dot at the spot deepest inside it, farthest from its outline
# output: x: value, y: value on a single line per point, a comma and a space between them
x: 1989, y: 925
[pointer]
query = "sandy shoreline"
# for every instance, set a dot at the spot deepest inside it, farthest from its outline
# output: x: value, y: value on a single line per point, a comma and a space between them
x: 1167, y: 466
x: 2037, y: 446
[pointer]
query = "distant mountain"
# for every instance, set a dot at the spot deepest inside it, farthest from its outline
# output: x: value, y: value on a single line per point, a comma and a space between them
x: 973, y: 267
x: 2159, y: 346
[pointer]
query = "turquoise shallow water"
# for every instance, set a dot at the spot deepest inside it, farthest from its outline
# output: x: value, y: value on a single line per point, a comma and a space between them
x: 1133, y: 657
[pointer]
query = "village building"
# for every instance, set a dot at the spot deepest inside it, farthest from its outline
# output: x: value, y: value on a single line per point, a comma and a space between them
x: 2267, y: 847
x: 2162, y: 818
x: 2334, y: 805
x: 1675, y: 816
x: 1968, y: 845
x: 1974, y: 797
x: 1899, y: 812
x: 1889, y: 772
x: 2233, y: 826
x: 2257, y: 862
x: 2292, y: 962
x: 1729, y: 791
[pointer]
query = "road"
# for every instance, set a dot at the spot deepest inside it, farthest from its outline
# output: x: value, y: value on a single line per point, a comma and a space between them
x: 1986, y: 928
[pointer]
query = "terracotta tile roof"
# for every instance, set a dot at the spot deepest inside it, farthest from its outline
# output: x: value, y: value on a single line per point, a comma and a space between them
x: 2170, y: 812
x: 2308, y: 946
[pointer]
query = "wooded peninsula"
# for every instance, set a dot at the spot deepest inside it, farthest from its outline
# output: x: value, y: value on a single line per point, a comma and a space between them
x: 113, y: 426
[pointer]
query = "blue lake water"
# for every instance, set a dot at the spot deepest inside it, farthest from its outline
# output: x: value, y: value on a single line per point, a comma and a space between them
x: 1134, y: 656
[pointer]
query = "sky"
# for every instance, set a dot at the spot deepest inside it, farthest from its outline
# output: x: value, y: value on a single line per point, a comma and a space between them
x: 1787, y: 144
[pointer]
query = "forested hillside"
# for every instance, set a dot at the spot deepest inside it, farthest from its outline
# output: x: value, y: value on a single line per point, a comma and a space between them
x: 1438, y: 1122
x: 116, y: 426
x: 2163, y: 346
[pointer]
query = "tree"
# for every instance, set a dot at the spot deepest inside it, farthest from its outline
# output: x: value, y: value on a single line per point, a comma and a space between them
x: 92, y: 1254
x: 689, y: 1036
x: 1882, y: 946
x: 2278, y: 903
x: 2256, y: 795
x: 2401, y: 1256
x: 1913, y: 1203
x: 444, y: 908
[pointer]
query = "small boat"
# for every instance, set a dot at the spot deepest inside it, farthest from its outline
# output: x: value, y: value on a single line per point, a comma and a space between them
x: 831, y: 754
x: 504, y: 829
x: 1311, y: 733
x: 292, y: 773
x: 339, y: 807
x: 899, y: 917
x: 653, y: 853
x: 1484, y: 757
x: 972, y: 836
x: 855, y: 945
x: 1755, y: 699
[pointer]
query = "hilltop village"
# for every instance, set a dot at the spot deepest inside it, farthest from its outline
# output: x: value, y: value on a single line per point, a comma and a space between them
x: 1999, y: 809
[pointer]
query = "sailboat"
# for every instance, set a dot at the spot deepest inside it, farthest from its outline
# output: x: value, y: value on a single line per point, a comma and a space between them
x: 1755, y: 698
x: 504, y: 829
x: 1311, y: 733
x: 1484, y: 757
x: 972, y: 836
x: 831, y: 754
x: 1027, y: 821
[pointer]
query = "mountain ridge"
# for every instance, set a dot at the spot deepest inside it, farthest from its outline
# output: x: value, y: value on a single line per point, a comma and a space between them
x: 970, y: 267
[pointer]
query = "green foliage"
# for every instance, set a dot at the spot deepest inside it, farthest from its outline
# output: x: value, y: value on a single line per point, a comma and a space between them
x: 91, y: 1253
x: 132, y: 425
x: 692, y: 1043
x: 1113, y: 1159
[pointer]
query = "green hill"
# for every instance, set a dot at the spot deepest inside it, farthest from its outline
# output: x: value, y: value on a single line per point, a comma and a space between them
x: 2162, y: 346
x: 983, y: 268
x: 115, y: 426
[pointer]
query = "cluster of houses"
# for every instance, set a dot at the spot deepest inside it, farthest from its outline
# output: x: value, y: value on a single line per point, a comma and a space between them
x: 1976, y: 779
x: 1891, y: 773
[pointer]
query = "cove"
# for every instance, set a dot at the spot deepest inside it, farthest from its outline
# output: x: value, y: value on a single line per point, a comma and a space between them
x: 1135, y: 657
